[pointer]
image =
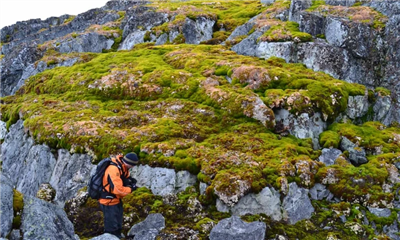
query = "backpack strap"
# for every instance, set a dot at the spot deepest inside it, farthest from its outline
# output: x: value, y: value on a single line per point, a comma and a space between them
x: 105, y: 193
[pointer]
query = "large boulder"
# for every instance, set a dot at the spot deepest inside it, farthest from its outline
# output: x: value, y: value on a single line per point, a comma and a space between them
x: 329, y: 156
x: 15, y: 150
x: 88, y: 42
x: 149, y: 228
x: 302, y: 126
x: 35, y: 170
x: 234, y: 228
x: 71, y: 173
x: 197, y: 31
x: 357, y: 155
x: 43, y: 220
x: 267, y: 201
x: 297, y: 205
x: 162, y: 181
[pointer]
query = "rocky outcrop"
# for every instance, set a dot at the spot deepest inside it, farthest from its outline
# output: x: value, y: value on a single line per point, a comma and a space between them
x: 41, y: 219
x: 162, y: 181
x: 302, y: 126
x: 267, y: 202
x: 197, y: 31
x: 149, y: 228
x: 234, y: 228
x: 71, y: 173
x: 14, y: 64
x: 6, y: 206
x: 29, y: 165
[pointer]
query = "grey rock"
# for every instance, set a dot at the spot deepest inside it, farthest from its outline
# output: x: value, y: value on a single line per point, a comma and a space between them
x: 312, y: 23
x: 357, y: 155
x: 283, y: 50
x: 71, y: 173
x: 6, y: 205
x: 267, y: 201
x: 162, y: 181
x: 15, y: 235
x: 89, y: 42
x: 302, y: 126
x: 132, y: 39
x: 347, y: 3
x: 36, y: 169
x: 357, y: 106
x: 149, y: 228
x: 3, y: 130
x: 234, y: 228
x: 380, y: 212
x: 329, y: 156
x: 267, y: 2
x: 43, y: 220
x: 183, y: 180
x: 392, y: 231
x: 14, y: 63
x: 14, y: 150
x: 141, y: 18
x: 320, y: 56
x: 203, y: 187
x: 162, y: 39
x: 297, y: 206
x: 105, y: 236
x: 123, y: 5
x: 296, y: 6
x: 197, y: 31
x: 382, y: 109
x: 248, y: 46
x: 241, y: 30
x: 320, y: 192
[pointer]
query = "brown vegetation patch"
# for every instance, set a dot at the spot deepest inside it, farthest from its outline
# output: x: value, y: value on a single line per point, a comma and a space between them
x: 254, y: 76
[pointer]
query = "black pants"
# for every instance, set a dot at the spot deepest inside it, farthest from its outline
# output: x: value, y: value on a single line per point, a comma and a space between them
x: 113, y: 216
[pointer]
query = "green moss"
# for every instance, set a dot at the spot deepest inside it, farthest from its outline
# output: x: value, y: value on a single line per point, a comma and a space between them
x: 329, y: 139
x: 18, y: 206
x: 382, y: 91
x: 285, y: 31
x: 69, y: 19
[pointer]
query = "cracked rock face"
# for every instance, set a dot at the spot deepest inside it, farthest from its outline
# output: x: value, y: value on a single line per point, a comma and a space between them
x: 6, y: 205
x: 236, y: 229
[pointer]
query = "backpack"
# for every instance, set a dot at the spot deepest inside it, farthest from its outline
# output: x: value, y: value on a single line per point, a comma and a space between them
x: 95, y: 186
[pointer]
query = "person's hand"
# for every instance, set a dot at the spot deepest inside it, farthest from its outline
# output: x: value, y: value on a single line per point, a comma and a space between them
x: 133, y: 187
x: 132, y: 180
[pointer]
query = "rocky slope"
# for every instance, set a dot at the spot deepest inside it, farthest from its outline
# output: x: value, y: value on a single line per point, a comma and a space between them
x: 268, y: 119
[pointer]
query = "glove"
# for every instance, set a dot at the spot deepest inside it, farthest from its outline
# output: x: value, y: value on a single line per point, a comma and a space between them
x: 133, y: 187
x: 132, y: 180
x: 129, y: 181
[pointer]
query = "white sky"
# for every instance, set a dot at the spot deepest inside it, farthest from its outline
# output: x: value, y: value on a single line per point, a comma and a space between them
x: 12, y: 11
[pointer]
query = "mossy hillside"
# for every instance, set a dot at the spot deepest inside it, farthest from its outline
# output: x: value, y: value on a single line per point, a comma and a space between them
x: 299, y: 89
x: 154, y: 98
x: 363, y: 183
x: 228, y: 15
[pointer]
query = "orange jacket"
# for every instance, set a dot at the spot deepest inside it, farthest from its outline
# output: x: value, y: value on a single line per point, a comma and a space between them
x: 112, y: 177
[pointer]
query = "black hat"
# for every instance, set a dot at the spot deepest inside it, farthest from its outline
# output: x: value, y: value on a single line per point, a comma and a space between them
x: 131, y: 159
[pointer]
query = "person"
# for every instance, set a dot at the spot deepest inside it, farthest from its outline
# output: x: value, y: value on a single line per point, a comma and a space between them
x: 117, y: 184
